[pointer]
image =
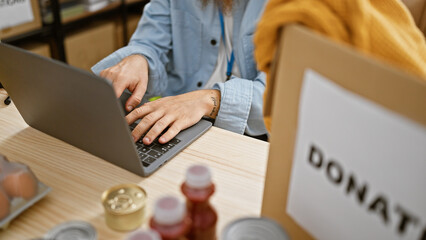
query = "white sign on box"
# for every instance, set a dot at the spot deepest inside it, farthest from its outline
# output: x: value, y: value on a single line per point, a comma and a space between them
x: 15, y: 12
x: 359, y: 170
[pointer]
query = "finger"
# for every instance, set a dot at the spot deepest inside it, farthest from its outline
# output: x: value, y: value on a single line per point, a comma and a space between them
x: 158, y: 128
x: 173, y: 130
x: 138, y: 113
x: 119, y: 86
x: 136, y: 97
x: 104, y: 72
x: 145, y: 124
x: 108, y: 73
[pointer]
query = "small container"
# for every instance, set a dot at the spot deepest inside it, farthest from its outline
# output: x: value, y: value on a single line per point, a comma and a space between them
x: 124, y: 206
x: 72, y: 230
x: 198, y: 188
x: 254, y: 229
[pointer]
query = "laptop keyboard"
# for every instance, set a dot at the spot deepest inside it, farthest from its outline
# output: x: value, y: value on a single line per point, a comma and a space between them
x: 149, y: 153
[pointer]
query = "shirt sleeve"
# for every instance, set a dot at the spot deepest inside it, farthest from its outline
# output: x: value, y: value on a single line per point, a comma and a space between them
x: 151, y: 39
x: 241, y: 106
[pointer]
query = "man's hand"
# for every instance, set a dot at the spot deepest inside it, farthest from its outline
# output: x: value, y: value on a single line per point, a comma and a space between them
x: 130, y: 73
x: 176, y: 112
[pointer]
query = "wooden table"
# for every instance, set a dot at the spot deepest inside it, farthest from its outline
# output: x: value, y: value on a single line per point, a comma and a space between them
x: 78, y: 178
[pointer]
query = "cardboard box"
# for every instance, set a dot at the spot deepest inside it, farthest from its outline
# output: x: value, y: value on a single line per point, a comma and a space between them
x: 132, y: 24
x: 389, y: 89
x: 25, y: 27
x: 88, y: 46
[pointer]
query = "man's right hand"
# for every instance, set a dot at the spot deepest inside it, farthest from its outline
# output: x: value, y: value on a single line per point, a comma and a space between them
x: 130, y: 73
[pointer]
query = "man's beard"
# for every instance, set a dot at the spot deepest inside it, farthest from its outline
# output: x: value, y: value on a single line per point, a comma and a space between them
x: 225, y: 5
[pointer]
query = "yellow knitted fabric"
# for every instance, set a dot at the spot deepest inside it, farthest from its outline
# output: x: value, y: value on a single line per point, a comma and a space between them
x: 382, y: 28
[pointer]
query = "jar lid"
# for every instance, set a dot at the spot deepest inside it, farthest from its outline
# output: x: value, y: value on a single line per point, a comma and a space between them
x: 254, y: 228
x: 72, y: 230
x: 124, y: 199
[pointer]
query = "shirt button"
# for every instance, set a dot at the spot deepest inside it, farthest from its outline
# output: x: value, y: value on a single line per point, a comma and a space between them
x: 199, y: 84
x: 213, y: 42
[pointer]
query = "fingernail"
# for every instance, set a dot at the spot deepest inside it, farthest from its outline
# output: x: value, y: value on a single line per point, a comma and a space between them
x: 146, y: 139
x: 162, y: 140
x: 134, y: 138
x: 129, y: 108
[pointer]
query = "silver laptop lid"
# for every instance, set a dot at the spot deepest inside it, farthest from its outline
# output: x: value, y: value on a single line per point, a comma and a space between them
x: 75, y: 106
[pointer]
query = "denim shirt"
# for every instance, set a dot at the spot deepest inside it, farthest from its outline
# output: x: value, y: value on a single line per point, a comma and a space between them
x: 180, y: 39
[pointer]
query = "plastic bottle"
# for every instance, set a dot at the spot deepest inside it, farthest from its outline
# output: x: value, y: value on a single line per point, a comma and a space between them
x: 170, y: 219
x: 198, y: 188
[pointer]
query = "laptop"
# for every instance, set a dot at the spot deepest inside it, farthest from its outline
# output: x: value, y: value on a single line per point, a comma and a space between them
x: 81, y: 109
